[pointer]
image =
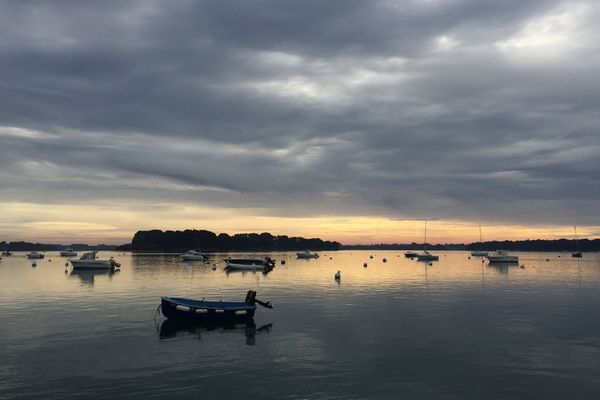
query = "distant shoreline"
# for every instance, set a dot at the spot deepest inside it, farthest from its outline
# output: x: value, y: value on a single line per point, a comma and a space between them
x: 283, y: 243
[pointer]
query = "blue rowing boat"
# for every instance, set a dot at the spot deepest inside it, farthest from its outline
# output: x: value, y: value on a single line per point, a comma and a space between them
x: 201, y: 310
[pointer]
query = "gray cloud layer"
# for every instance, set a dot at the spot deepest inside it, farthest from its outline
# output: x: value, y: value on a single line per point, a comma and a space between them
x: 478, y: 110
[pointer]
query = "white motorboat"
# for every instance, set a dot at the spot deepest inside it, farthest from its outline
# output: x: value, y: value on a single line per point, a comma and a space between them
x: 502, y: 256
x: 34, y: 255
x: 306, y: 254
x: 251, y: 264
x: 411, y: 254
x: 194, y: 255
x: 427, y: 256
x: 89, y: 261
x: 68, y: 253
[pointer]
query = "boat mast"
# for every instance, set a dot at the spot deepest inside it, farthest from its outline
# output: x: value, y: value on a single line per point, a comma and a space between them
x: 481, y: 239
x: 575, y: 232
x: 425, y: 240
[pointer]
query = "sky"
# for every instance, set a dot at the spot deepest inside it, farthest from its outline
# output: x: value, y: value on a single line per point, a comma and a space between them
x: 347, y: 120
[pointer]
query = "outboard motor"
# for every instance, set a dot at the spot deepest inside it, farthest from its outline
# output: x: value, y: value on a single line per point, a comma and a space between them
x: 251, y: 297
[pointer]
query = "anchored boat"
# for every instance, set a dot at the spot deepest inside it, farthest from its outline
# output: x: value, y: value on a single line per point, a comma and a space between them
x: 577, y: 253
x: 89, y: 261
x: 251, y: 264
x: 306, y: 254
x: 426, y: 256
x: 189, y: 309
x: 480, y: 253
x: 34, y: 255
x: 502, y: 256
x: 194, y: 255
x: 68, y: 253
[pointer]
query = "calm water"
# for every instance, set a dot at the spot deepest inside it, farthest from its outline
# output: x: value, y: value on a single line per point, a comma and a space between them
x: 458, y: 329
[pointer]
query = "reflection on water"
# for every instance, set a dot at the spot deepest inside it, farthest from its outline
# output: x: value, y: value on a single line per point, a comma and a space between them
x: 459, y: 329
x: 171, y: 328
x: 503, y: 268
x: 87, y: 277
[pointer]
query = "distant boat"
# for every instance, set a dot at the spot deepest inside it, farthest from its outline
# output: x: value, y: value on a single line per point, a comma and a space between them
x: 250, y: 264
x: 577, y: 253
x: 34, y: 255
x: 306, y: 254
x: 426, y: 256
x: 68, y: 253
x: 89, y: 261
x: 411, y: 254
x: 188, y: 309
x: 502, y: 256
x: 193, y: 255
x: 479, y: 253
x: 6, y: 253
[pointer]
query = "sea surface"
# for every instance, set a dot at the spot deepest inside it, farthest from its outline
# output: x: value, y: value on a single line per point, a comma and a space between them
x: 457, y: 329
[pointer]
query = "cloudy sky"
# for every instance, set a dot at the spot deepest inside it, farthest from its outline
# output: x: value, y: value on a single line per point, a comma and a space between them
x: 349, y: 120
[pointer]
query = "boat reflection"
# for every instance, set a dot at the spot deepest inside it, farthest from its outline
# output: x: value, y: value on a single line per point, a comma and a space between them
x: 504, y: 267
x: 87, y: 277
x: 171, y: 328
x: 244, y: 272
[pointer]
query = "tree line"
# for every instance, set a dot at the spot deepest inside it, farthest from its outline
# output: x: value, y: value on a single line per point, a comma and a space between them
x: 207, y: 241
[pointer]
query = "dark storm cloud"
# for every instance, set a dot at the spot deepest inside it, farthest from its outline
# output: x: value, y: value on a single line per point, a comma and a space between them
x: 475, y: 110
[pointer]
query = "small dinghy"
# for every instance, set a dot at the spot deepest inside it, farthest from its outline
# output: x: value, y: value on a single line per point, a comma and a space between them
x: 188, y: 309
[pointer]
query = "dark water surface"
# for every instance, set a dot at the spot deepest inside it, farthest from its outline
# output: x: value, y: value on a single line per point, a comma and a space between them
x: 458, y: 329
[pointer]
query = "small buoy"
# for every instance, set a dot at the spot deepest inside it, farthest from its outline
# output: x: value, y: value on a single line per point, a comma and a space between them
x: 430, y: 263
x: 337, y: 275
x: 522, y: 267
x: 331, y: 258
x: 34, y: 264
x: 49, y: 260
x: 66, y: 264
x: 365, y: 265
x: 558, y: 256
x: 282, y: 262
x: 547, y: 259
x: 384, y: 260
x: 469, y: 257
x: 370, y: 256
x: 214, y: 268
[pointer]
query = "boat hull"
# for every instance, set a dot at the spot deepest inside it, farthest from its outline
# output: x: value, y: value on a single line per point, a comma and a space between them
x: 68, y: 254
x: 306, y: 257
x: 246, y: 267
x: 193, y: 258
x: 193, y: 310
x: 576, y: 254
x: 410, y: 255
x: 479, y: 253
x: 427, y: 257
x: 505, y: 259
x: 92, y: 264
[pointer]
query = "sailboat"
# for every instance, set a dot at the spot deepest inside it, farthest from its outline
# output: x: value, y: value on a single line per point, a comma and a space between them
x: 577, y: 252
x: 426, y: 256
x: 479, y: 253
